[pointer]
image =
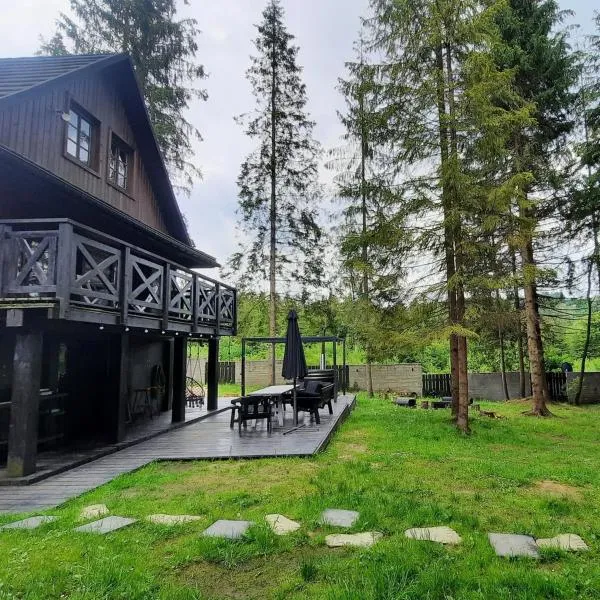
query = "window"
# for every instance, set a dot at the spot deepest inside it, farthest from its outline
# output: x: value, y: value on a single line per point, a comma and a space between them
x: 80, y: 134
x: 120, y: 163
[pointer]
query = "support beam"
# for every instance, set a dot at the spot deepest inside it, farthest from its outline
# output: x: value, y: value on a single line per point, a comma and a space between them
x: 24, y: 413
x: 179, y: 375
x: 169, y: 361
x: 212, y: 373
x: 119, y: 385
x: 243, y: 367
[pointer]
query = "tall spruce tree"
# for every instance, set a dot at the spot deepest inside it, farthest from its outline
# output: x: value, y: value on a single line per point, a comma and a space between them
x: 372, y: 230
x: 545, y: 75
x: 278, y: 190
x: 163, y: 52
x: 441, y: 100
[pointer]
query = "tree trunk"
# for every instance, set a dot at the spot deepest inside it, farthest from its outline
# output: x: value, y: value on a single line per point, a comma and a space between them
x: 520, y: 349
x: 448, y: 228
x: 502, y: 350
x: 535, y: 348
x: 503, y: 363
x: 588, y: 333
x: 273, y: 221
x: 462, y: 416
x: 458, y: 346
x: 365, y: 248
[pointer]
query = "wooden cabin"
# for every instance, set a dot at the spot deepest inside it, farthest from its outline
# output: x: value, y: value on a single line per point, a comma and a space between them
x: 99, y: 284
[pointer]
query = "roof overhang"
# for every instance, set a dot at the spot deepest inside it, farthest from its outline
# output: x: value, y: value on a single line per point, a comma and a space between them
x: 43, y: 194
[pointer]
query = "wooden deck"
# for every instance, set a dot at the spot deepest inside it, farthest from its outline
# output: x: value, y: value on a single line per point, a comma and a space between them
x: 210, y: 439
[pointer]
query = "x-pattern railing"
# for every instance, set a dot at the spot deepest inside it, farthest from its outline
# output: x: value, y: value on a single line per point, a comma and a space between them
x: 82, y: 267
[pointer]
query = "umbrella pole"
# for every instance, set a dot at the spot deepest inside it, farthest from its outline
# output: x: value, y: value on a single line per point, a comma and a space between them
x: 296, y: 426
x: 295, y: 405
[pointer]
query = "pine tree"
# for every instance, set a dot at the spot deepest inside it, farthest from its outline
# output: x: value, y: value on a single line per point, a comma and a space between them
x: 373, y: 229
x: 545, y: 75
x: 278, y: 190
x: 162, y: 50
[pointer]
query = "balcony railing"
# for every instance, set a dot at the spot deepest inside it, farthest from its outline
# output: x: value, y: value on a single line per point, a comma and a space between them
x: 94, y: 277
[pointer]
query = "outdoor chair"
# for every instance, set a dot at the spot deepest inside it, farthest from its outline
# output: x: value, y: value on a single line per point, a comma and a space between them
x: 312, y: 396
x: 250, y: 408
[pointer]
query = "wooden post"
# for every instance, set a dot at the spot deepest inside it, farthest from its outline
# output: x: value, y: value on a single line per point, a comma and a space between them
x: 179, y: 375
x: 119, y: 385
x: 125, y: 283
x: 24, y: 412
x: 4, y: 245
x: 64, y: 267
x: 166, y: 296
x: 212, y: 371
x: 335, y: 371
x: 169, y: 361
x: 344, y: 367
x: 243, y: 367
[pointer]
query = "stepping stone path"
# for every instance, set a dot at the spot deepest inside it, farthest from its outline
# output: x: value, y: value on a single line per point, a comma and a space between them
x: 94, y: 511
x: 30, y: 523
x: 232, y: 530
x: 106, y: 525
x: 510, y: 544
x: 441, y: 535
x: 338, y: 517
x: 565, y: 541
x: 172, y: 519
x: 361, y: 540
x: 281, y: 525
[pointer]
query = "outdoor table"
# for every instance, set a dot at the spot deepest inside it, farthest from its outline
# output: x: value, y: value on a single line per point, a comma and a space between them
x: 276, y: 393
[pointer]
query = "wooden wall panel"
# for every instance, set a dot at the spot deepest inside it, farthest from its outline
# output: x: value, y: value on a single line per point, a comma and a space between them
x: 34, y: 128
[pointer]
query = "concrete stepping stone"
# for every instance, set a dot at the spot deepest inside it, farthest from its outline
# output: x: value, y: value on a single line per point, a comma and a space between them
x: 441, y: 535
x: 510, y: 544
x: 161, y: 519
x: 360, y: 540
x: 566, y: 541
x: 281, y: 525
x: 94, y: 511
x: 106, y: 525
x: 30, y: 523
x: 338, y: 517
x: 232, y: 530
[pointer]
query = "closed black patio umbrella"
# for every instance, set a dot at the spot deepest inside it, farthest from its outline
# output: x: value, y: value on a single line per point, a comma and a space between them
x: 294, y: 362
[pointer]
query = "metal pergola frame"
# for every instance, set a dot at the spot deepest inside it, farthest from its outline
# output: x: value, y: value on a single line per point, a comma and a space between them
x: 308, y: 339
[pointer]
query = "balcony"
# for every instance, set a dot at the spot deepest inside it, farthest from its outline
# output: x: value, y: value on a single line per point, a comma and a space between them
x: 80, y: 274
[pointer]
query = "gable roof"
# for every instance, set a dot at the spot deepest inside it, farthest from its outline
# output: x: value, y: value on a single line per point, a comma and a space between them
x: 20, y: 74
x: 29, y: 75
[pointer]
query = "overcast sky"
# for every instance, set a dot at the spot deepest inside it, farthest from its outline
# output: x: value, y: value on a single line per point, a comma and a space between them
x: 325, y: 31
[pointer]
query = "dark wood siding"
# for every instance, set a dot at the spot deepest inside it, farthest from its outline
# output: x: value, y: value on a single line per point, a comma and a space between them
x: 34, y: 128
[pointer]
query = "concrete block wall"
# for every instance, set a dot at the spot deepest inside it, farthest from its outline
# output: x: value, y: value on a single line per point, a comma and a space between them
x: 590, y: 393
x: 402, y: 378
x: 488, y: 386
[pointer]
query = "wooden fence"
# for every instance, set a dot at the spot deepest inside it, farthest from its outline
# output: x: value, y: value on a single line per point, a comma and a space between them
x: 438, y: 384
x: 226, y: 373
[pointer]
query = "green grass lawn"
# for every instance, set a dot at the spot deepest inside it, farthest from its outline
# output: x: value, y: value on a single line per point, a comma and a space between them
x: 400, y: 468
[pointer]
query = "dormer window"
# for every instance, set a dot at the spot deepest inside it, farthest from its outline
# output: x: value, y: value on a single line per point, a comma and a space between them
x: 81, y: 144
x: 82, y: 131
x: 120, y: 163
